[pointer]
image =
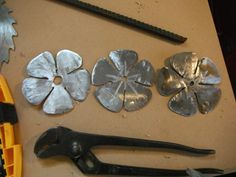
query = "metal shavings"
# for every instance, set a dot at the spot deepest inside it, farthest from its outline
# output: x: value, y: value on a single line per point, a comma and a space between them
x: 73, y: 81
x: 6, y: 32
x: 192, y: 81
x: 123, y: 81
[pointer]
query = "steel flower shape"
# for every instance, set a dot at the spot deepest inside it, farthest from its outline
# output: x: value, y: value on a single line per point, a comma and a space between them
x: 42, y: 83
x: 192, y: 80
x: 124, y: 81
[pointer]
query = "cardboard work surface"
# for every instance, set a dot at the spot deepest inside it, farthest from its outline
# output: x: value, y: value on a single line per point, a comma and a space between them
x: 46, y: 25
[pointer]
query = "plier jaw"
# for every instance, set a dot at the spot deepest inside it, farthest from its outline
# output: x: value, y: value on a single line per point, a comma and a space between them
x: 50, y: 143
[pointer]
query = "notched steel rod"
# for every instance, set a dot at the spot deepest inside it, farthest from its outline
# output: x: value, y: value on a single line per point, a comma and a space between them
x: 128, y: 21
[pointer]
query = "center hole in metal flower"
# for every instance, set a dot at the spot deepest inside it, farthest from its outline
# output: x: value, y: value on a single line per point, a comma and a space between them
x: 57, y: 80
x: 191, y: 83
x: 124, y: 78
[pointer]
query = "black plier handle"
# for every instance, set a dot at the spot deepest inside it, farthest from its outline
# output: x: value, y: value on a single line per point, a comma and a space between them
x: 77, y: 146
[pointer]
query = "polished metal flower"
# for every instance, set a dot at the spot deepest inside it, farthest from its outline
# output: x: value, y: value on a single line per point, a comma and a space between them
x: 192, y: 80
x: 124, y: 81
x: 56, y: 81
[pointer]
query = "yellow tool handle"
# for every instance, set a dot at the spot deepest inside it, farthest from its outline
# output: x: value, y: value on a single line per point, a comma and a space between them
x: 11, y: 154
x: 7, y: 107
x: 5, y: 94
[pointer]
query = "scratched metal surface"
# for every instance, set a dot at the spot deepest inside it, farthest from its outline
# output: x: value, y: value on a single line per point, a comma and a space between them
x: 192, y: 82
x: 46, y: 25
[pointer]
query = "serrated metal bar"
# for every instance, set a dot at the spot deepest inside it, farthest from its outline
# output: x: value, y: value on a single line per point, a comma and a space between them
x: 128, y: 21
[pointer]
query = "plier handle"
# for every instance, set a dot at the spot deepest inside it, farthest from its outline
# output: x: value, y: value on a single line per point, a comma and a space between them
x: 77, y: 146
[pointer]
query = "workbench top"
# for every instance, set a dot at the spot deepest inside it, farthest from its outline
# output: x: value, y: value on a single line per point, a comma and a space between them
x: 45, y: 25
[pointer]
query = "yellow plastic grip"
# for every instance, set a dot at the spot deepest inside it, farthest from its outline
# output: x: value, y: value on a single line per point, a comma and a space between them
x: 5, y: 94
x: 11, y: 153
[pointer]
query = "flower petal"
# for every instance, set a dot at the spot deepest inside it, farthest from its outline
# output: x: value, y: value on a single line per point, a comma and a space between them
x: 208, y: 72
x: 42, y: 66
x: 77, y: 84
x: 35, y: 90
x: 168, y: 82
x: 67, y: 61
x: 104, y: 72
x: 184, y: 103
x: 207, y: 96
x: 136, y: 96
x: 58, y: 102
x: 185, y: 64
x: 142, y: 73
x: 123, y: 60
x: 111, y: 96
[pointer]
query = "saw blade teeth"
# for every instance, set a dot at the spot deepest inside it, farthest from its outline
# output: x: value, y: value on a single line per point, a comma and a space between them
x: 7, y: 32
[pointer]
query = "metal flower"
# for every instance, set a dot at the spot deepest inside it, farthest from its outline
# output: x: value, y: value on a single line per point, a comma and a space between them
x: 124, y: 81
x: 43, y: 84
x: 192, y: 81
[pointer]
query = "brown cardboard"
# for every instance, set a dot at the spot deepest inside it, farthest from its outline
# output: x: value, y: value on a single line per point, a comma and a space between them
x: 47, y: 25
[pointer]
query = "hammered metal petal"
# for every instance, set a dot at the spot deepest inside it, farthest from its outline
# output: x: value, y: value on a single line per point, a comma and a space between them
x: 42, y: 83
x: 125, y: 81
x: 197, y: 79
x: 42, y: 66
x: 142, y: 73
x: 136, y: 96
x: 208, y: 72
x: 185, y: 64
x: 111, y: 96
x: 207, y: 96
x: 169, y: 82
x: 58, y: 102
x: 77, y: 84
x: 67, y: 61
x: 104, y: 72
x: 36, y: 90
x: 183, y: 103
x: 124, y: 60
